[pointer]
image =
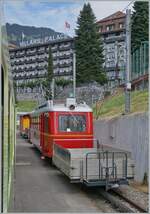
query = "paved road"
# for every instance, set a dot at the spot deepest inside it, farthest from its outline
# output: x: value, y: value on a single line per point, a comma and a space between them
x: 40, y: 187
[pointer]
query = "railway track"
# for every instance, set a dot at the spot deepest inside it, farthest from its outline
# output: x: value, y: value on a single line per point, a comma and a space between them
x: 121, y: 203
x: 137, y: 206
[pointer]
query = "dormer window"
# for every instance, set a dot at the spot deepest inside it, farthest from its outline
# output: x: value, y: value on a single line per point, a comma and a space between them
x: 101, y: 29
x: 121, y: 25
x: 110, y: 27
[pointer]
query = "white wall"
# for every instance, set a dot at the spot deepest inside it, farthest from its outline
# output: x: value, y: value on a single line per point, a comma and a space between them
x: 129, y: 133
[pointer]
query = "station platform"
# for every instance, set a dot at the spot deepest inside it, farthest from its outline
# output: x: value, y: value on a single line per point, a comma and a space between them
x: 40, y: 187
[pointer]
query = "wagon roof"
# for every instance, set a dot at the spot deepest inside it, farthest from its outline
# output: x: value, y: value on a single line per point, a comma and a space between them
x: 63, y: 108
x: 49, y: 106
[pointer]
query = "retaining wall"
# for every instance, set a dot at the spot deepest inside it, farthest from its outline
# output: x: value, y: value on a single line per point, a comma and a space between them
x: 129, y: 133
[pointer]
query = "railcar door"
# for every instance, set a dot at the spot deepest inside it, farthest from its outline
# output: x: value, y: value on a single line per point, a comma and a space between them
x: 47, y: 148
x: 41, y: 130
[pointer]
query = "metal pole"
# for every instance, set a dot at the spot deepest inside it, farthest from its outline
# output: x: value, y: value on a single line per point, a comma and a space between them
x: 53, y: 85
x: 128, y: 62
x: 74, y: 74
x: 116, y: 62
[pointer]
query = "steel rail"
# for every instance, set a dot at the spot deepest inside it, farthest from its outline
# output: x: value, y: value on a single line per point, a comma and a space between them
x: 117, y: 203
x: 137, y: 206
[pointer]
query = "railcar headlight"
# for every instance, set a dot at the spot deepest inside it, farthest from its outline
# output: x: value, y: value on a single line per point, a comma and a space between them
x: 72, y: 107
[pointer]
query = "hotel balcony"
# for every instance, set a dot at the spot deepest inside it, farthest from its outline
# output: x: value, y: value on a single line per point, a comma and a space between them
x: 46, y: 59
x: 31, y: 68
x: 20, y: 55
x: 19, y: 77
x: 19, y: 63
x: 65, y: 64
x: 31, y: 53
x: 40, y: 59
x: 56, y: 65
x: 31, y: 76
x: 114, y: 38
x: 41, y: 52
x: 18, y: 70
x: 30, y: 61
x: 65, y: 48
x: 12, y: 56
x: 53, y: 49
x: 39, y: 75
x: 65, y: 56
x: 14, y: 70
x: 12, y: 63
x: 65, y: 73
x: 39, y: 68
x: 55, y: 57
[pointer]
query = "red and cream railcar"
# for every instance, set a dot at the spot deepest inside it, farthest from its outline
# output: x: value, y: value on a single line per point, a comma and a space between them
x: 69, y: 125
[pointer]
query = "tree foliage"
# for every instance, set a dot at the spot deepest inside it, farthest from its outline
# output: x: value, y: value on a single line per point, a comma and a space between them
x: 46, y: 84
x: 139, y: 27
x: 61, y: 82
x: 89, y: 49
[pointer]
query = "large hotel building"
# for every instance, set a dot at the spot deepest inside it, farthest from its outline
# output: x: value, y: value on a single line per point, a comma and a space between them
x: 30, y: 63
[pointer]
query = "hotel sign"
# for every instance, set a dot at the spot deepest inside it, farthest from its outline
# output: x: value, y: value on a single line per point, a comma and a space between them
x: 42, y: 40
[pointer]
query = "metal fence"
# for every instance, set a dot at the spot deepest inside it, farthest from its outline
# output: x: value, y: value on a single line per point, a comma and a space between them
x: 140, y: 61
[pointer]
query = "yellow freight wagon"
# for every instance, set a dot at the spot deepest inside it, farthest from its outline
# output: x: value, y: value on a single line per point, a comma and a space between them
x: 24, y: 125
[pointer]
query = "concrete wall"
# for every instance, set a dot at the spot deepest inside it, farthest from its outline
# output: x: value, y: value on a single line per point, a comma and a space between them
x: 129, y: 133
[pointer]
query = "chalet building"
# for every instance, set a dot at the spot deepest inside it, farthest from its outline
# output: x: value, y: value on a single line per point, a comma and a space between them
x: 30, y: 63
x: 112, y: 30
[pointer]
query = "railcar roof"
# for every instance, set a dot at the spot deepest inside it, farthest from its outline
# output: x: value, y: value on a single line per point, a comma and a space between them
x: 63, y: 108
x: 23, y: 113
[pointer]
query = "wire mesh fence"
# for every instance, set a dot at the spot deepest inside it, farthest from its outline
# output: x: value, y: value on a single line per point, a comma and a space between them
x: 140, y: 61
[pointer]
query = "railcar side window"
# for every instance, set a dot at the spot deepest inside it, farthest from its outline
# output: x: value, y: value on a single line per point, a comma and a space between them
x: 72, y: 123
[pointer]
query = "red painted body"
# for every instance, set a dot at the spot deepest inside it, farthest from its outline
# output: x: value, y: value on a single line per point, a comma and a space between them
x: 44, y: 132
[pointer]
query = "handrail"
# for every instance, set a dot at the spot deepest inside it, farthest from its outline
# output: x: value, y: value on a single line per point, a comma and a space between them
x: 114, y: 167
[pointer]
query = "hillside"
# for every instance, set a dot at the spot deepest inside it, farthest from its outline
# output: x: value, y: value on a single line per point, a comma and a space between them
x: 26, y: 105
x: 110, y: 107
x: 114, y: 105
x: 15, y: 32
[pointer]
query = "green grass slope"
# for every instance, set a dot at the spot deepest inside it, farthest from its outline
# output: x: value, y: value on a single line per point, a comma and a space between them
x: 26, y: 105
x: 114, y: 105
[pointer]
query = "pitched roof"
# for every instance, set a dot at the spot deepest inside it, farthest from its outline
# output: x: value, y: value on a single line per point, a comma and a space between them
x: 115, y: 15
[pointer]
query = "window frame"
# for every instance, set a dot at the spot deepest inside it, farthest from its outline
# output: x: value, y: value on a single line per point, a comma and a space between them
x: 73, y: 114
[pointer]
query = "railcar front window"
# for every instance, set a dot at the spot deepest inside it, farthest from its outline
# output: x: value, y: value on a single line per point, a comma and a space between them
x: 72, y: 123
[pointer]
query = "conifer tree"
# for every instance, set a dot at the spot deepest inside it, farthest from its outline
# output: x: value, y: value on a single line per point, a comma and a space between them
x: 89, y: 49
x: 50, y: 66
x: 47, y: 83
x: 139, y: 27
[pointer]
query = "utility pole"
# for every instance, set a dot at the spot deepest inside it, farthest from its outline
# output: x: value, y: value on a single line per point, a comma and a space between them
x: 116, y: 63
x: 74, y: 74
x: 128, y: 62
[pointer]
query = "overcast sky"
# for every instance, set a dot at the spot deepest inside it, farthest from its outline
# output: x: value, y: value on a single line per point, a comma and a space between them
x: 54, y: 13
